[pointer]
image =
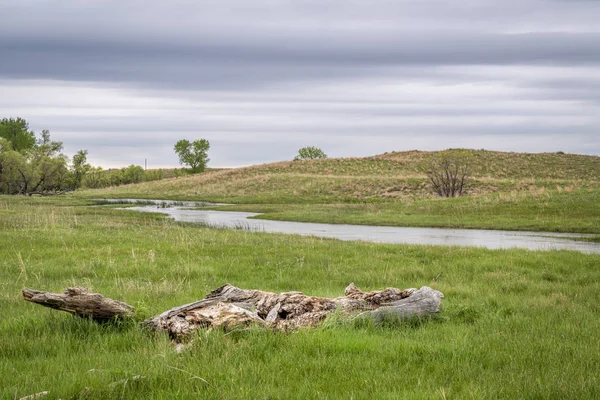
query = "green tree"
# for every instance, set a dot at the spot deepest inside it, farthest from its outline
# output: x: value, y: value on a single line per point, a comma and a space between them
x: 194, y: 154
x: 16, y: 131
x: 310, y: 153
x: 95, y: 178
x: 38, y: 168
x: 5, y: 145
x: 23, y: 174
x: 12, y: 166
x: 47, y: 146
x: 79, y: 168
x: 132, y: 174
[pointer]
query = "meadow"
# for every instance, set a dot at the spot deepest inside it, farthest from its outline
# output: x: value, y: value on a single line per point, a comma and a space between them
x: 379, y: 179
x: 515, y: 191
x: 537, y: 210
x: 514, y: 323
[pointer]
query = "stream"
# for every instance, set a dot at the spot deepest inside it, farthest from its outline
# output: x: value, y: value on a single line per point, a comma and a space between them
x: 491, y: 239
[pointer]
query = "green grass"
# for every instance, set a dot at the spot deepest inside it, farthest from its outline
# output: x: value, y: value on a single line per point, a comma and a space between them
x: 552, y: 211
x: 514, y: 324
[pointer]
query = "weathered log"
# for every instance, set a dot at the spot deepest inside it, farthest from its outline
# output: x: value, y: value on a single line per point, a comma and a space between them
x: 229, y: 307
x: 77, y: 301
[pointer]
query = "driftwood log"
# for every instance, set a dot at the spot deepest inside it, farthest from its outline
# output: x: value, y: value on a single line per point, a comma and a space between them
x: 229, y: 307
x: 77, y: 301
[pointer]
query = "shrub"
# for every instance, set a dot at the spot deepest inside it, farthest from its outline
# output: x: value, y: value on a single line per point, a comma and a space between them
x: 448, y: 172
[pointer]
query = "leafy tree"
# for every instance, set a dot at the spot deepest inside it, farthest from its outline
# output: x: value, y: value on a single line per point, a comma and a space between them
x: 5, y: 145
x: 12, y: 166
x: 24, y: 174
x: 80, y: 168
x: 132, y: 174
x: 16, y: 131
x: 46, y: 146
x: 154, y: 175
x: 194, y: 154
x: 310, y: 153
x: 448, y: 172
x: 95, y: 178
x: 30, y: 166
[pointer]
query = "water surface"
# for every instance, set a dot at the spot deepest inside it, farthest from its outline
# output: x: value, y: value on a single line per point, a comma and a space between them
x: 491, y: 239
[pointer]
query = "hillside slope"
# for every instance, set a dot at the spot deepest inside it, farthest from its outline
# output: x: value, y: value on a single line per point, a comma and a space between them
x: 379, y: 178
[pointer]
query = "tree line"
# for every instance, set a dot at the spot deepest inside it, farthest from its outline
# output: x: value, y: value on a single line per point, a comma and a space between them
x: 31, y: 164
x: 36, y: 165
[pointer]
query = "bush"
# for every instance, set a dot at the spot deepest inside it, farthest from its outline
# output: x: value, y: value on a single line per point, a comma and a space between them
x: 448, y: 172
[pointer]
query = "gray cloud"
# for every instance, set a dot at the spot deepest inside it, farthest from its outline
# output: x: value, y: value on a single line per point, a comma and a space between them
x: 126, y: 79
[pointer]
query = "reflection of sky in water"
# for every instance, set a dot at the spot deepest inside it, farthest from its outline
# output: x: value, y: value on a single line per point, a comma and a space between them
x: 384, y: 234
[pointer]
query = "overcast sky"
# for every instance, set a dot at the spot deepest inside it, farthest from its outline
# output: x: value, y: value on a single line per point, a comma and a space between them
x: 259, y: 79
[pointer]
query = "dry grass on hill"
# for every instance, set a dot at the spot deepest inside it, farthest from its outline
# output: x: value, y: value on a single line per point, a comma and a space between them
x: 385, y: 176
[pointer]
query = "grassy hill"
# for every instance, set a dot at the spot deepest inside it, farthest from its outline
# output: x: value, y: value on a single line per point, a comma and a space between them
x: 389, y: 176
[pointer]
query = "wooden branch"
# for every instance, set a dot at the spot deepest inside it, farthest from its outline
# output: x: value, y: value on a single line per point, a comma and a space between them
x: 79, y: 302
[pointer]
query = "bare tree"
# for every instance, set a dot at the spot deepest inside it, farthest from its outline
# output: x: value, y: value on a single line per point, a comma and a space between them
x: 448, y: 172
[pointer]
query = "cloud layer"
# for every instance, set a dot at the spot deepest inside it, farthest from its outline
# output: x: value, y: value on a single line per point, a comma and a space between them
x: 127, y: 79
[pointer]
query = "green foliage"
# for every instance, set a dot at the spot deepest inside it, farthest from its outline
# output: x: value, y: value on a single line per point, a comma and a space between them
x: 30, y: 166
x: 5, y: 145
x: 16, y: 131
x: 132, y: 174
x: 154, y: 175
x: 310, y: 153
x: 48, y: 147
x: 38, y: 171
x: 80, y: 168
x: 194, y: 154
x: 97, y: 177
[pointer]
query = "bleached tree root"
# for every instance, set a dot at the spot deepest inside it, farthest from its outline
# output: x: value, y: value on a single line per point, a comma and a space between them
x: 229, y: 307
x: 77, y: 301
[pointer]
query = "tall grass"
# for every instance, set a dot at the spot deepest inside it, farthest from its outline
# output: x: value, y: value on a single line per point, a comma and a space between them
x: 514, y: 324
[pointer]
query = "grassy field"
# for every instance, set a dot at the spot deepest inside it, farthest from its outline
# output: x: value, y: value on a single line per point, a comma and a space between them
x: 539, y: 210
x: 383, y: 178
x: 516, y: 191
x: 514, y: 324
